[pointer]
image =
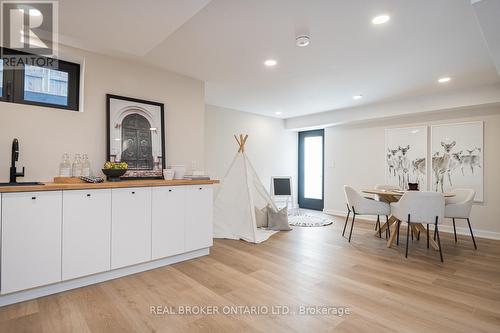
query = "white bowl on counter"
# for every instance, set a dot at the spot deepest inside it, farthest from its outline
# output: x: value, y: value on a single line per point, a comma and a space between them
x: 168, y: 174
x: 180, y: 171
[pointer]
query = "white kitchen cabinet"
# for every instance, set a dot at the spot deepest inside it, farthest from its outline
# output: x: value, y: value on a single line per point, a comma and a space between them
x: 31, y: 240
x: 199, y: 224
x: 168, y: 216
x: 86, y: 240
x: 130, y: 226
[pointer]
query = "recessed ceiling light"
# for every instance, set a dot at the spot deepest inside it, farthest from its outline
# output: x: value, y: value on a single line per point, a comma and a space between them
x: 270, y: 62
x: 357, y: 97
x: 302, y: 41
x: 444, y: 79
x: 381, y: 19
x: 278, y: 113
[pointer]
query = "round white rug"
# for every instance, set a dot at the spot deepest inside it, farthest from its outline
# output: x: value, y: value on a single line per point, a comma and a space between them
x: 309, y: 220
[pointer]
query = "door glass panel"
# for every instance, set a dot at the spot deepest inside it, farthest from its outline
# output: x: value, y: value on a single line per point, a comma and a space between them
x: 313, y: 167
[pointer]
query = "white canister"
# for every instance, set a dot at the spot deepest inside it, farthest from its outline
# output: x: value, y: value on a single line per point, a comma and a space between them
x: 180, y: 171
x: 168, y: 174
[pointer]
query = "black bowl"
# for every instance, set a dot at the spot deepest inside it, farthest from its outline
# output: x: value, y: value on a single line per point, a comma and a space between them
x: 113, y: 175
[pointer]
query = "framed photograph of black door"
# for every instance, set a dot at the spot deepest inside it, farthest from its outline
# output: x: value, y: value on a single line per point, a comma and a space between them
x: 136, y: 135
x: 311, y: 169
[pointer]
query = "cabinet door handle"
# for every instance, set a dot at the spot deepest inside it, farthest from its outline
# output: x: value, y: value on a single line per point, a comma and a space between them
x: 201, y: 188
x: 170, y: 190
x: 88, y: 195
x: 133, y: 192
x: 33, y: 198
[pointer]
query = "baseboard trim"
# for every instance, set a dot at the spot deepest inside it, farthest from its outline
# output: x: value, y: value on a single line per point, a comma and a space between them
x: 30, y: 294
x: 442, y: 227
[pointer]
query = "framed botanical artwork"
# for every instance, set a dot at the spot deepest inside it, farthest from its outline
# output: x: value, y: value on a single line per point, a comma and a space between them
x: 457, y: 157
x: 406, y: 156
x: 136, y: 135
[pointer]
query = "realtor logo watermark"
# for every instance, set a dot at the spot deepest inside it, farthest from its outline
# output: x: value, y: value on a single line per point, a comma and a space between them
x: 29, y: 32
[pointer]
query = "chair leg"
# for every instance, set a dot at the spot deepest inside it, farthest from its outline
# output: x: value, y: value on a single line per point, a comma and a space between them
x: 427, y: 235
x: 399, y: 224
x: 408, y: 236
x: 379, y: 228
x: 387, y: 230
x: 352, y: 223
x: 438, y: 240
x: 454, y: 229
x: 472, y: 235
x: 346, y: 219
x: 434, y: 234
x: 411, y: 231
x: 418, y: 235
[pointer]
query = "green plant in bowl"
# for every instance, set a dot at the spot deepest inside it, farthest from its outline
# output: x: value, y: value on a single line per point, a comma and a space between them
x: 114, y: 170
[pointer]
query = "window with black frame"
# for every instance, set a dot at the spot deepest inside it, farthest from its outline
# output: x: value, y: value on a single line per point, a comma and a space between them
x: 1, y: 78
x: 56, y: 86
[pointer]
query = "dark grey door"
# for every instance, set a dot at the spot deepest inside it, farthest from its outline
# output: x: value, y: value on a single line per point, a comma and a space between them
x: 311, y: 169
x: 137, y: 148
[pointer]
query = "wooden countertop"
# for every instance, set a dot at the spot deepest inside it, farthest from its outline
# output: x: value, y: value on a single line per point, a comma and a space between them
x: 91, y: 186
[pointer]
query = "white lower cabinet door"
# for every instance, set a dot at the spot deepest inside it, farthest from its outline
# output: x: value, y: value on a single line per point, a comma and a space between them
x: 31, y: 240
x: 86, y: 232
x: 199, y: 220
x: 130, y: 226
x: 168, y: 221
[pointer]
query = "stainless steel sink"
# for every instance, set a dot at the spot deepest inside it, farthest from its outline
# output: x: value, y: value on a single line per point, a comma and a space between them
x: 21, y: 184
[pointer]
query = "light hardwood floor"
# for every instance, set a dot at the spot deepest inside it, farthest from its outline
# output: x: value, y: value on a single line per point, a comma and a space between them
x: 307, y: 266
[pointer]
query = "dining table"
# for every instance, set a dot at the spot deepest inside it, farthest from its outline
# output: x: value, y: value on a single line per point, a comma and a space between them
x: 394, y: 196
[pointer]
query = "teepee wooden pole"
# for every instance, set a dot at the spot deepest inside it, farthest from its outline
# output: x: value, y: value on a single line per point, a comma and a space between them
x: 244, y: 141
x: 241, y: 142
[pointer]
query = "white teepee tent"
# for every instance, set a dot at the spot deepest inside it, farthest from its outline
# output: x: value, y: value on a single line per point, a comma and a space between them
x: 239, y: 194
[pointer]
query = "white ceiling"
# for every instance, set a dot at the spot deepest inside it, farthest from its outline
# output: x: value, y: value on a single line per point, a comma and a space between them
x: 225, y: 42
x: 122, y: 27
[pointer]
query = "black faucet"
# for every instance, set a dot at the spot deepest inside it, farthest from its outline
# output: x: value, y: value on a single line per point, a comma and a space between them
x: 15, y: 157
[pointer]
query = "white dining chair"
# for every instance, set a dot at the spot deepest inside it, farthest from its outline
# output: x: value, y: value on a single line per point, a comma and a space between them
x: 459, y: 207
x: 359, y: 205
x: 420, y: 207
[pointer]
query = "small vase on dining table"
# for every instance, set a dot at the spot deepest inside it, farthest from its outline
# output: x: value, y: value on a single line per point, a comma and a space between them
x: 412, y: 186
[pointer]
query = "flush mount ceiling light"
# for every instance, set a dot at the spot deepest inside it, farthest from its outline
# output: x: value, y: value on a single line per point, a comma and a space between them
x: 381, y: 19
x: 444, y: 79
x: 302, y: 41
x: 278, y: 113
x: 270, y: 62
x: 357, y: 97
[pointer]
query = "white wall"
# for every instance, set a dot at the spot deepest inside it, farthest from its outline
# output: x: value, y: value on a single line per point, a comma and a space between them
x: 45, y: 134
x: 270, y: 147
x: 355, y: 156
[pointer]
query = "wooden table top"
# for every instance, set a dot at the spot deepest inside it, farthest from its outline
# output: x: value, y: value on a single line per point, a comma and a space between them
x: 397, y: 193
x: 91, y: 186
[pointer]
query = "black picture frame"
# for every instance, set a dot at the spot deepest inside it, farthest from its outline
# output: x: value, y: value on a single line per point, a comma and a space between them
x: 137, y: 173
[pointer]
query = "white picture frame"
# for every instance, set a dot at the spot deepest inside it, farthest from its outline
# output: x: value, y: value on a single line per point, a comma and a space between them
x: 406, y: 156
x: 457, y: 155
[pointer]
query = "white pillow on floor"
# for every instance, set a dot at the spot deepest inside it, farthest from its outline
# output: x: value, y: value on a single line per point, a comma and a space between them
x: 278, y: 220
x: 261, y: 217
